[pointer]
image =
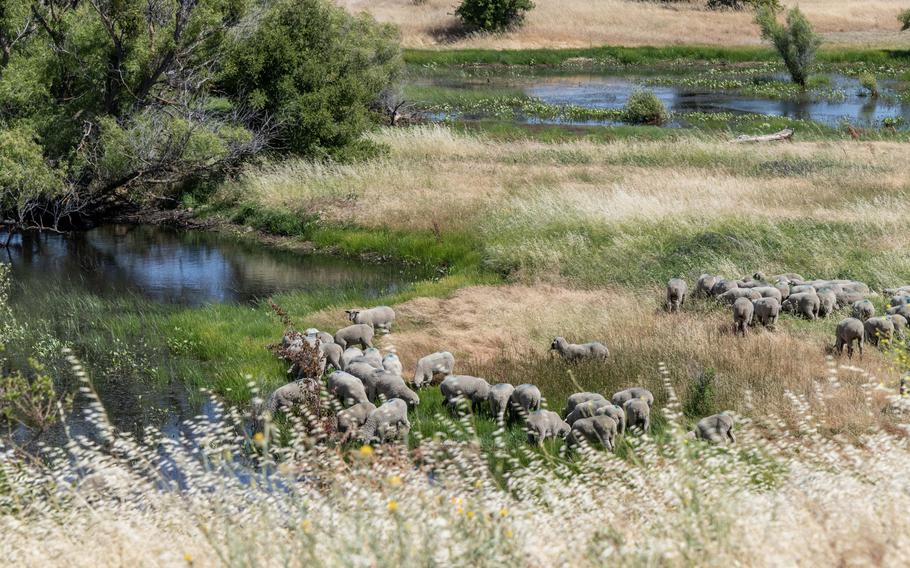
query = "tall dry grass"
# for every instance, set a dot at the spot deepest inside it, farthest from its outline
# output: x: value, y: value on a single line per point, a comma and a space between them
x: 583, y: 23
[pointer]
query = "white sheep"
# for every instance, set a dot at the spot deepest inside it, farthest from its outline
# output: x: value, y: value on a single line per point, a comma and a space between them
x: 676, y: 294
x: 580, y: 397
x: 620, y: 398
x: 357, y: 334
x: 594, y: 430
x: 388, y: 386
x: 347, y: 388
x: 573, y: 352
x: 543, y: 424
x: 638, y: 414
x: 392, y: 364
x: 379, y: 318
x: 586, y: 409
x: 439, y: 363
x: 717, y: 429
x: 350, y: 420
x: 525, y: 399
x: 387, y: 422
x: 371, y: 356
x: 498, y: 400
x: 348, y: 355
x: 456, y: 388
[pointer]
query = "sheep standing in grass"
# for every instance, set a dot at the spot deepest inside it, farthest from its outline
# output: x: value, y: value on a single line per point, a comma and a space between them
x: 616, y: 413
x: 717, y: 429
x: 638, y: 415
x: 586, y: 410
x: 348, y: 356
x: 722, y: 286
x: 286, y: 397
x: 524, y: 400
x: 900, y: 324
x: 580, y: 397
x: 902, y: 310
x: 704, y: 285
x: 806, y: 304
x: 322, y: 336
x: 676, y: 294
x: 620, y: 398
x: 439, y: 363
x: 879, y: 329
x: 574, y: 352
x: 332, y: 353
x: 387, y: 422
x: 769, y: 292
x: 346, y: 388
x: 827, y: 302
x: 378, y: 318
x: 863, y: 310
x: 596, y: 430
x: 352, y: 419
x: 358, y: 334
x: 499, y: 400
x: 766, y: 312
x: 371, y: 356
x: 543, y: 424
x: 385, y: 385
x: 392, y: 364
x: 731, y: 296
x: 848, y: 331
x: 456, y: 388
x: 742, y: 315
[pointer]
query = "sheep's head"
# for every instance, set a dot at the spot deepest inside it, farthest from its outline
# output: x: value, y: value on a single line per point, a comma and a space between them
x: 556, y: 342
x: 352, y: 314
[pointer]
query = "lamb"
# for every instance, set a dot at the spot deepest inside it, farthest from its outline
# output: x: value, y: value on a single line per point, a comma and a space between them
x: 900, y: 324
x: 737, y: 293
x: 348, y: 355
x: 574, y: 352
x: 580, y: 397
x: 863, y: 310
x: 524, y: 400
x: 392, y: 364
x: 286, y: 397
x: 803, y: 303
x: 441, y: 362
x: 717, y: 429
x: 357, y: 334
x: 742, y: 315
x: 849, y: 330
x: 827, y: 302
x: 586, y: 410
x: 385, y: 385
x: 543, y: 424
x: 879, y: 329
x: 594, y: 430
x: 351, y: 419
x: 498, y: 400
x: 371, y: 356
x: 676, y: 294
x: 619, y: 399
x: 377, y: 318
x: 766, y: 311
x: 464, y: 387
x: 723, y: 286
x: 387, y: 422
x: 347, y: 388
x: 638, y: 414
x: 705, y: 283
x: 332, y: 353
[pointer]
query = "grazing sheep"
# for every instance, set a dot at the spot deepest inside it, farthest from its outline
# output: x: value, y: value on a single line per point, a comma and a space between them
x: 392, y: 364
x: 803, y: 303
x: 387, y: 386
x: 348, y: 355
x: 332, y: 353
x: 863, y: 310
x: 769, y: 292
x: 323, y: 337
x: 848, y: 298
x: 903, y: 310
x: 525, y: 399
x: 357, y: 334
x: 730, y: 297
x: 350, y: 420
x: 616, y: 413
x: 784, y: 290
x: 879, y: 329
x: 371, y: 356
x: 717, y: 429
x: 803, y: 289
x: 543, y: 424
x: 900, y: 324
x: 363, y: 371
x: 848, y: 331
x: 759, y: 276
x: 387, y: 422
x: 619, y: 399
x: 441, y: 362
x: 676, y: 294
x: 595, y: 430
x: 586, y: 410
x: 766, y: 311
x: 573, y: 352
x: 378, y: 318
x: 499, y: 400
x: 742, y: 315
x: 580, y: 397
x: 457, y: 387
x: 722, y: 286
x: 827, y: 302
x: 899, y: 299
x: 705, y: 283
x: 346, y: 388
x: 286, y: 397
x: 638, y: 414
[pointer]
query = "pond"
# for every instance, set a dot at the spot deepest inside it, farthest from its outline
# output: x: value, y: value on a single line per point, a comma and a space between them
x: 162, y: 270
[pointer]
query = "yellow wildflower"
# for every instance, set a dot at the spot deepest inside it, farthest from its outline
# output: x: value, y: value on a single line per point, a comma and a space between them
x: 508, y: 533
x: 259, y: 437
x: 366, y: 450
x: 503, y: 512
x: 307, y: 526
x: 187, y: 557
x: 393, y: 506
x: 395, y: 481
x: 470, y: 514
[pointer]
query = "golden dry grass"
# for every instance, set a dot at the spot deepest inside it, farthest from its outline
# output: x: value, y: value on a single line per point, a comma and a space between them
x: 585, y: 23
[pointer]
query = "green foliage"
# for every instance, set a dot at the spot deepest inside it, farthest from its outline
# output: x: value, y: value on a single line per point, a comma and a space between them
x: 904, y: 19
x: 313, y: 70
x: 643, y: 107
x: 868, y: 82
x: 702, y: 395
x: 795, y: 41
x: 493, y: 15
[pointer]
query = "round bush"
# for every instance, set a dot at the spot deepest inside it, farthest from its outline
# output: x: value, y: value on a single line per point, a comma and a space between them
x: 643, y: 107
x: 492, y: 15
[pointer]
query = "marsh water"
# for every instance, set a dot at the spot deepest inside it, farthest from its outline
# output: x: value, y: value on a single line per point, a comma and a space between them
x: 146, y: 268
x: 604, y: 91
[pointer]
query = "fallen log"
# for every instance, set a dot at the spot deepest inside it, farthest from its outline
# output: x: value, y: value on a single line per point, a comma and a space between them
x: 785, y: 134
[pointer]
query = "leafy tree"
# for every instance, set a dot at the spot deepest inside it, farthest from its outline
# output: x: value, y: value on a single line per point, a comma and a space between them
x: 493, y: 15
x: 644, y: 107
x: 904, y: 19
x: 796, y: 42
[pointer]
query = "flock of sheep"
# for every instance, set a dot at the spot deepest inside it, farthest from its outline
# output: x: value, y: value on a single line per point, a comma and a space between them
x: 362, y: 378
x: 758, y: 300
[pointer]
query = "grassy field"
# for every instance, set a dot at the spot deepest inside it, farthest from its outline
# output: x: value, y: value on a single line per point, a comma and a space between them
x: 580, y: 23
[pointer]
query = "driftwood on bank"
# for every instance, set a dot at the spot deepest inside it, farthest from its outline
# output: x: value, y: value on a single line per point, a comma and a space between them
x: 785, y: 134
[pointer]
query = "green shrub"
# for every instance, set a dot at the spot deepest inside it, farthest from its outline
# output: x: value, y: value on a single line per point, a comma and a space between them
x: 868, y: 82
x: 795, y: 41
x: 904, y: 19
x: 643, y: 107
x: 743, y: 4
x: 493, y: 15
